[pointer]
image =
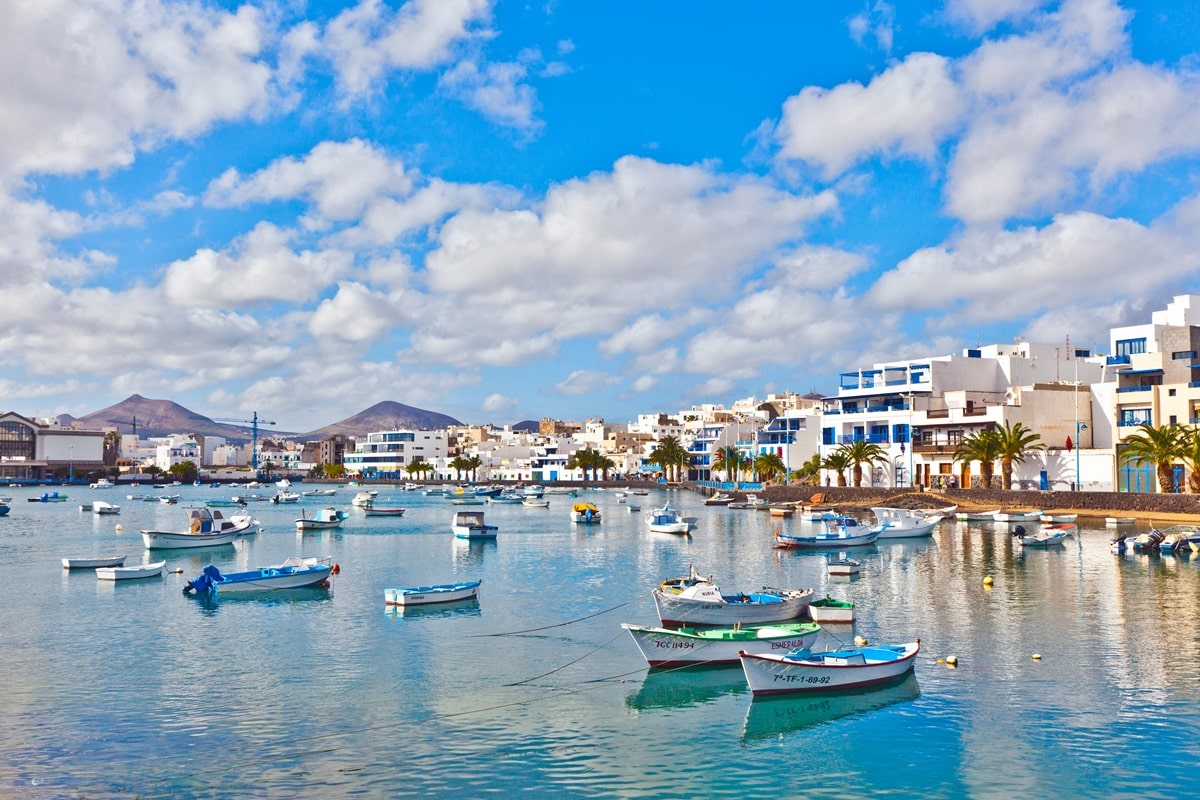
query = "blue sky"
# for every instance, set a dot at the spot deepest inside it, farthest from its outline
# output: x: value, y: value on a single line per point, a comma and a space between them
x: 503, y: 211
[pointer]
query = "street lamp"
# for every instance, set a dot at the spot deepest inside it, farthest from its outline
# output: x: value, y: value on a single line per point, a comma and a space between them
x: 1079, y: 426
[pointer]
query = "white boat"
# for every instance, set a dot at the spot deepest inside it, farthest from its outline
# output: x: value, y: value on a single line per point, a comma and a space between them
x: 470, y: 525
x: 585, y: 514
x: 285, y: 496
x: 207, y: 528
x: 467, y: 500
x: 1179, y: 537
x: 693, y: 600
x: 903, y: 523
x: 1057, y: 518
x: 682, y: 647
x: 977, y: 516
x: 428, y: 595
x: 294, y: 573
x: 752, y: 502
x: 93, y: 563
x: 364, y: 499
x: 718, y: 499
x: 849, y: 668
x: 842, y: 532
x: 667, y: 520
x: 1046, y: 536
x: 1119, y: 521
x: 535, y: 502
x: 1016, y: 517
x: 101, y: 507
x: 826, y: 610
x: 379, y: 511
x: 843, y: 566
x: 318, y: 492
x: 321, y: 519
x: 509, y: 498
x: 131, y: 573
x: 103, y: 483
x: 817, y: 513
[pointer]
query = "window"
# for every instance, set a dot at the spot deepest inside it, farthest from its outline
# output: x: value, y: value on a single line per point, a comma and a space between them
x: 16, y: 440
x: 1170, y: 392
x: 1180, y: 355
x: 827, y: 436
x: 900, y: 433
x: 1129, y: 347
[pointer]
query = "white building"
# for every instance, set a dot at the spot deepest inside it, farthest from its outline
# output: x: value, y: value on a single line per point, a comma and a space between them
x: 388, y: 453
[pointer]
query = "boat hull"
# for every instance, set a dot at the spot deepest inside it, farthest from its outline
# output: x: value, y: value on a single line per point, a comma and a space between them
x: 131, y: 573
x: 431, y: 595
x: 665, y: 648
x: 827, y: 610
x: 773, y: 675
x: 174, y: 540
x: 758, y: 609
x: 823, y: 540
x: 93, y: 563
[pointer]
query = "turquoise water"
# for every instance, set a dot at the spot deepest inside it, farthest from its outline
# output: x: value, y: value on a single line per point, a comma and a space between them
x: 133, y: 689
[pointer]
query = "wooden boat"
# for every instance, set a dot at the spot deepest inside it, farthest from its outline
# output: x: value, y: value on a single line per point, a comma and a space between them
x: 682, y: 647
x: 470, y: 525
x: 848, y: 668
x: 101, y: 507
x: 206, y: 529
x: 903, y: 523
x: 1017, y: 517
x: 585, y: 514
x: 321, y: 519
x: 667, y: 520
x: 1179, y: 537
x: 693, y: 600
x: 843, y: 566
x: 1047, y: 536
x: 782, y: 510
x: 131, y: 573
x: 377, y: 511
x: 718, y: 499
x: 93, y: 563
x: 843, y: 532
x: 772, y: 719
x: 294, y: 573
x: 827, y: 610
x: 752, y: 502
x: 428, y: 595
x: 977, y: 516
x: 535, y: 502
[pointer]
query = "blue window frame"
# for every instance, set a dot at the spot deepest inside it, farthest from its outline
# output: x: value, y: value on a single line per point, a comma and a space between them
x: 1129, y: 347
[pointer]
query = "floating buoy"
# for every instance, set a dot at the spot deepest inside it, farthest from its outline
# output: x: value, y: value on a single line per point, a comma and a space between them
x: 941, y: 661
x: 860, y: 641
x: 118, y: 526
x: 1037, y: 656
x: 987, y: 581
x: 336, y: 569
x: 951, y: 661
x: 177, y: 571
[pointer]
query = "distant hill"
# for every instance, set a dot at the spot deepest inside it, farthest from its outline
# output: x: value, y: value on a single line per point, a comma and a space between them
x: 527, y: 426
x: 385, y: 416
x: 162, y: 418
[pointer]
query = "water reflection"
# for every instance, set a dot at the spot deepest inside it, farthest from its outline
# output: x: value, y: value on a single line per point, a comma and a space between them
x: 459, y: 608
x: 688, y: 686
x: 769, y: 717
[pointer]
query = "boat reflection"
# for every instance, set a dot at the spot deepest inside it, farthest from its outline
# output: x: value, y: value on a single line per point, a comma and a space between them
x: 212, y: 601
x: 770, y: 717
x: 687, y: 686
x: 458, y: 608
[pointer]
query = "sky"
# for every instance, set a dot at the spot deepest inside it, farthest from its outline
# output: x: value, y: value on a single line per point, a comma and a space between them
x: 513, y: 210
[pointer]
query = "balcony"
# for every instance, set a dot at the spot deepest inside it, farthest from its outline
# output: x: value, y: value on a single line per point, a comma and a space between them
x: 1116, y: 361
x: 1124, y: 389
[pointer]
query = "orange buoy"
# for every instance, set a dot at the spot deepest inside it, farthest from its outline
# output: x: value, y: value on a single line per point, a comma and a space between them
x: 336, y: 569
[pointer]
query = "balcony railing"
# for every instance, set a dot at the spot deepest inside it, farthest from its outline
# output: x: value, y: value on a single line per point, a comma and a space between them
x: 1113, y: 361
x: 876, y: 438
x: 1134, y: 389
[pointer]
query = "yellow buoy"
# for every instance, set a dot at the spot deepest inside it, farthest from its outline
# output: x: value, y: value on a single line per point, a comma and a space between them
x: 941, y: 661
x: 987, y: 581
x: 860, y: 641
x: 1037, y: 656
x: 118, y: 526
x: 951, y: 661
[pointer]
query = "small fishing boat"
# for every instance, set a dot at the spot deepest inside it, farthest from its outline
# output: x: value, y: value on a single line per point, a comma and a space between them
x: 535, y: 502
x: 903, y: 523
x: 1114, y: 521
x: 1018, y: 517
x: 667, y: 520
x: 48, y: 497
x: 285, y: 497
x: 378, y: 511
x: 470, y: 525
x: 1046, y: 536
x: 585, y: 514
x: 364, y: 499
x: 294, y: 573
x: 207, y: 528
x: 93, y: 563
x: 318, y: 492
x: 506, y: 498
x: 843, y: 566
x: 695, y: 600
x: 842, y: 532
x: 321, y: 519
x: 817, y: 513
x: 682, y: 647
x: 1178, y: 537
x: 782, y: 510
x: 828, y: 610
x: 848, y: 668
x: 718, y: 499
x: 101, y: 507
x: 428, y: 595
x: 977, y: 516
x: 1055, y: 519
x: 131, y: 573
x: 752, y: 502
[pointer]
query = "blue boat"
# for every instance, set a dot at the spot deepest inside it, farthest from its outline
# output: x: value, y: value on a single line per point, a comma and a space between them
x: 295, y: 573
x: 427, y: 595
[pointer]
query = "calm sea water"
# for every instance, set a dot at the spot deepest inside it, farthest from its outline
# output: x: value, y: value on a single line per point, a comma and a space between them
x: 135, y: 690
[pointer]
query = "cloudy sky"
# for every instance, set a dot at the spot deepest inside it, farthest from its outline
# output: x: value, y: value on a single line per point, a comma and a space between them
x: 509, y: 210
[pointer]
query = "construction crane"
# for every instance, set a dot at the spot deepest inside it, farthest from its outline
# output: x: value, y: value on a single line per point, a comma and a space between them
x: 254, y: 423
x: 130, y: 422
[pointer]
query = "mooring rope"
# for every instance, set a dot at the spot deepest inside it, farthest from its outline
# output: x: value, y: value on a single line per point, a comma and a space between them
x: 549, y: 627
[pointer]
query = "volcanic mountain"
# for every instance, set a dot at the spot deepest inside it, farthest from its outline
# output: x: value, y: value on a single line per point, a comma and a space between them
x: 385, y: 416
x: 149, y: 418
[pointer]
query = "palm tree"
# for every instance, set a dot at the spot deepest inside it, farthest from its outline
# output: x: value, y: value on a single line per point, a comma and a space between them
x: 1161, y: 446
x: 585, y: 460
x: 768, y: 465
x: 728, y: 459
x: 419, y: 467
x: 670, y: 455
x: 604, y: 464
x: 863, y: 452
x: 1191, y: 460
x: 458, y: 464
x: 838, y: 462
x: 984, y: 447
x: 1013, y: 442
x: 473, y: 463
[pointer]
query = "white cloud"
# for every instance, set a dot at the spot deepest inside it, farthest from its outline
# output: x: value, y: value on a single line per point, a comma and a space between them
x: 116, y: 76
x: 260, y: 266
x: 981, y: 15
x: 644, y: 383
x: 905, y: 111
x: 584, y: 381
x: 496, y: 403
x: 497, y: 91
x: 640, y: 336
x: 355, y: 314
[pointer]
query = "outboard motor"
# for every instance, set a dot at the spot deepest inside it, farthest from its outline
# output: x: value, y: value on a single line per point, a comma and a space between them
x: 1019, y: 532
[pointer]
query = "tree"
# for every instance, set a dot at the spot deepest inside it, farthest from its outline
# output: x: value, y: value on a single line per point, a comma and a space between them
x: 984, y: 447
x: 729, y: 460
x: 584, y: 460
x: 863, y: 452
x: 768, y: 465
x: 333, y: 470
x: 837, y: 462
x: 1013, y: 442
x: 670, y: 456
x: 420, y: 467
x: 1161, y: 446
x: 184, y: 471
x: 473, y: 463
x: 1191, y: 460
x: 459, y: 464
